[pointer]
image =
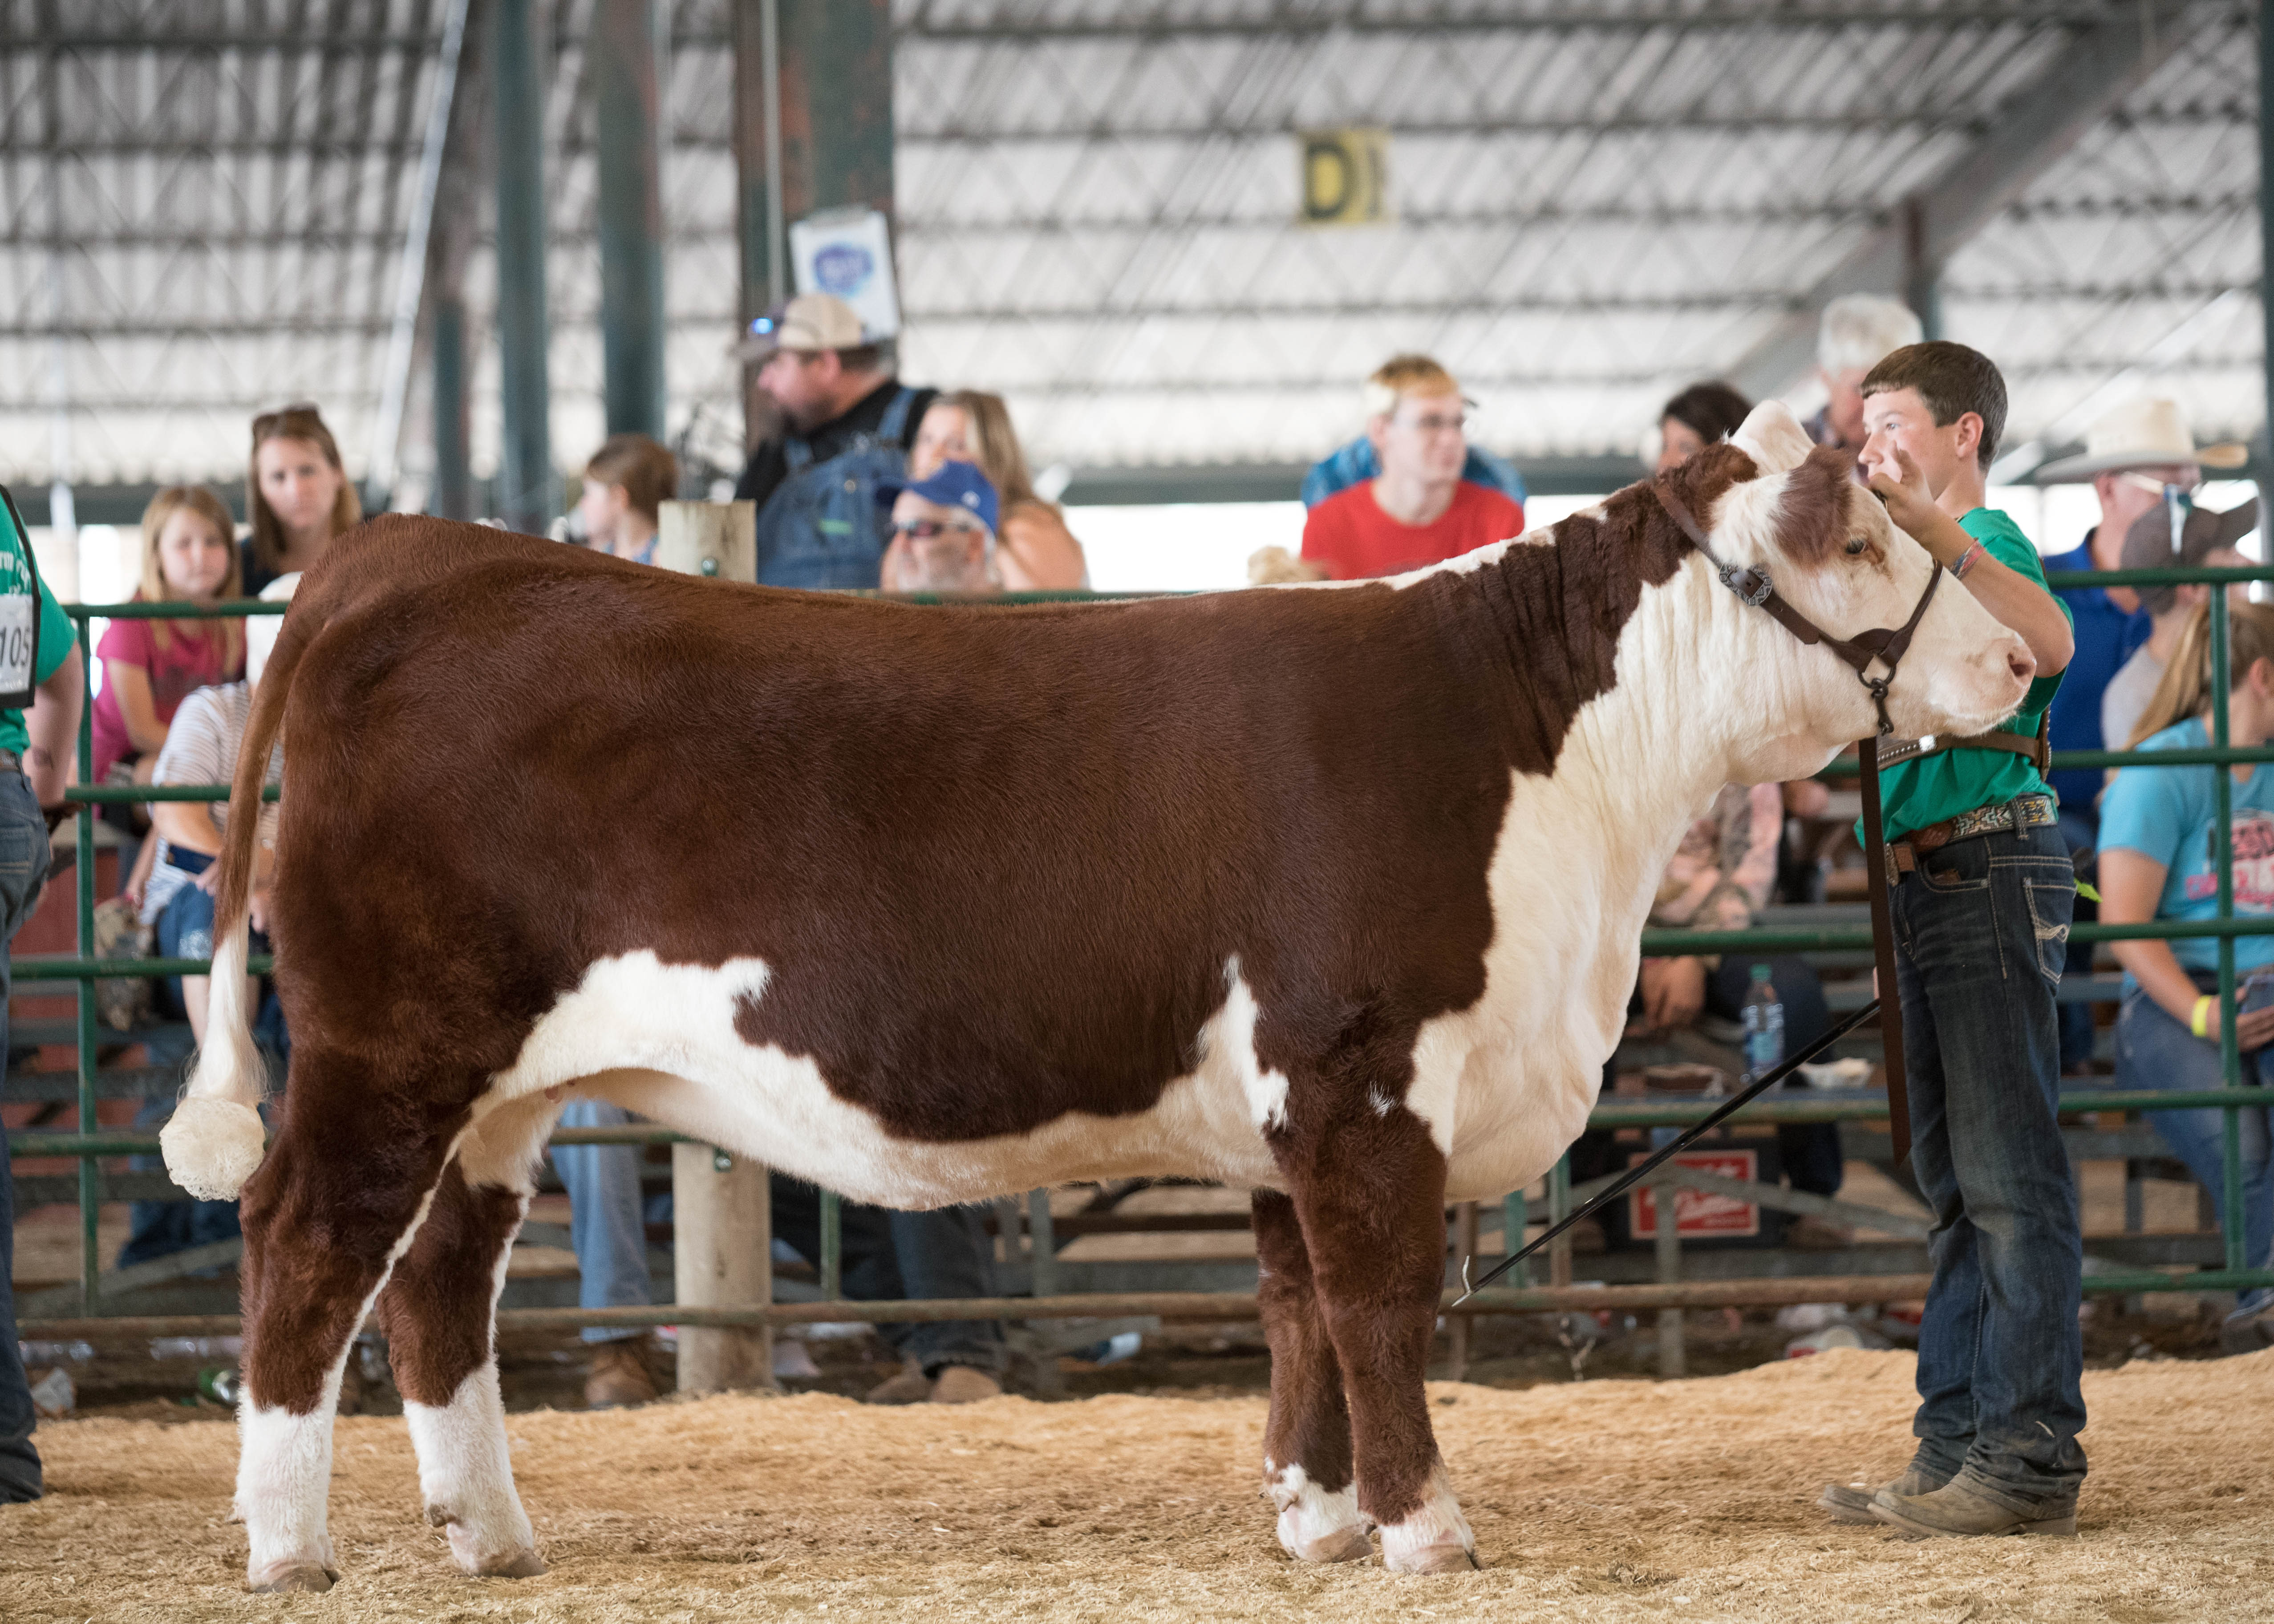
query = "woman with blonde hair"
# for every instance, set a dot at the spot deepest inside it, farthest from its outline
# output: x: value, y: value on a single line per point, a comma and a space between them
x: 2157, y: 856
x: 189, y: 555
x: 1034, y: 550
x: 296, y: 493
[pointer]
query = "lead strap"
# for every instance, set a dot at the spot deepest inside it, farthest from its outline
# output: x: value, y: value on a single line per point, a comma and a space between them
x: 1883, y: 957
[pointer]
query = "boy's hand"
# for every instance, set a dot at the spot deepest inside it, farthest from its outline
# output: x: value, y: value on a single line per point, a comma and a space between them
x: 1901, y: 484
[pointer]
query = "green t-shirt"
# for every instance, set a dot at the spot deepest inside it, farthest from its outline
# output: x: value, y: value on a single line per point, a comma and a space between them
x: 1931, y: 788
x: 56, y: 633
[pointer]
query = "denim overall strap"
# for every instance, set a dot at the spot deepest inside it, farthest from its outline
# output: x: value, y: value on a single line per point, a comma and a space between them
x: 893, y: 431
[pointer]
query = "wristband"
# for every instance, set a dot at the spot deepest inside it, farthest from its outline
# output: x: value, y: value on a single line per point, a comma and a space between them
x: 2202, y: 1021
x: 1966, y: 561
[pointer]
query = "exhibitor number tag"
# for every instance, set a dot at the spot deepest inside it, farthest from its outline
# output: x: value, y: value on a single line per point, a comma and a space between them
x: 19, y: 614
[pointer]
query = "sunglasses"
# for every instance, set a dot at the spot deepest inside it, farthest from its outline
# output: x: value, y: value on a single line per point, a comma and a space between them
x: 925, y: 530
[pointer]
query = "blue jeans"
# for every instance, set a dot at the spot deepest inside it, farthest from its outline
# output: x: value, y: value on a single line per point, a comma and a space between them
x: 895, y: 1256
x: 2155, y: 1051
x: 605, y: 1221
x: 23, y: 869
x: 1981, y: 935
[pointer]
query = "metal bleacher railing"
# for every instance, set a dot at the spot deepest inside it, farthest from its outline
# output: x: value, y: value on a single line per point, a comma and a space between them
x: 105, y: 1304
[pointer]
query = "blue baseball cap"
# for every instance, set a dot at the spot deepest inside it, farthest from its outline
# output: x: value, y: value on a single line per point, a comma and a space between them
x: 953, y: 485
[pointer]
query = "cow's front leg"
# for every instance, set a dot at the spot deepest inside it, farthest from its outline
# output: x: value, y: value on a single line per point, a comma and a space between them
x: 1306, y: 1443
x: 1369, y: 1187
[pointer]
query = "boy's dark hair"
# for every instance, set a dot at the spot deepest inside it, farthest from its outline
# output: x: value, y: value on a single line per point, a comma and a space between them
x: 1713, y: 412
x: 1953, y: 380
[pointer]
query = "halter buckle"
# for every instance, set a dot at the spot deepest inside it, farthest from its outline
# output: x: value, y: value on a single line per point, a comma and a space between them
x: 1735, y: 576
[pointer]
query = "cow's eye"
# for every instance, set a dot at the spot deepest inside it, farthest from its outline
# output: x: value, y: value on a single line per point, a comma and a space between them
x: 1857, y: 546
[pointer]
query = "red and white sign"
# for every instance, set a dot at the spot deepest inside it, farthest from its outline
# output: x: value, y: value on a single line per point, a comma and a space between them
x: 1697, y: 1214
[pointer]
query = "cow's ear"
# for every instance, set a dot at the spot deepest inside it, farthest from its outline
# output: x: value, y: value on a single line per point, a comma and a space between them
x: 1773, y: 437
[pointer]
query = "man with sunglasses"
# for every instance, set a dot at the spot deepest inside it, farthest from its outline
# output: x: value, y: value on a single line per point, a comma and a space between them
x: 1420, y: 509
x: 942, y: 532
x: 2138, y: 458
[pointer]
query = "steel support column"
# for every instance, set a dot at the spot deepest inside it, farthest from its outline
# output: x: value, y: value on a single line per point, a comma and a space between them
x: 526, y: 486
x: 2266, y: 211
x: 453, y: 493
x: 624, y: 51
x: 836, y: 105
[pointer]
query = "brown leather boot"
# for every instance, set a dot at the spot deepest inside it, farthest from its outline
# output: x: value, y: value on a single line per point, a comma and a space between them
x: 960, y: 1384
x: 623, y: 1374
x: 1853, y: 1506
x: 910, y: 1386
x: 1964, y: 1506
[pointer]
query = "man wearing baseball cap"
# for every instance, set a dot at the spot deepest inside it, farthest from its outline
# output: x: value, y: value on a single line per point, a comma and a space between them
x: 846, y: 421
x: 2139, y: 457
x: 942, y: 532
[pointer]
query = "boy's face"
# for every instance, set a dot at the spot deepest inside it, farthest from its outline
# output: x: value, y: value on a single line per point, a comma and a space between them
x: 1896, y: 418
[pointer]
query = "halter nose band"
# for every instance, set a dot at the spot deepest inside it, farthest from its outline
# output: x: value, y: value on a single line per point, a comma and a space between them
x: 1751, y: 584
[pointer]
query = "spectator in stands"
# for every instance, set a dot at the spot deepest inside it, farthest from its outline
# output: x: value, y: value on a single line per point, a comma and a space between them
x: 37, y: 742
x: 201, y: 747
x: 1356, y: 461
x: 2206, y: 538
x: 626, y: 484
x: 149, y: 667
x: 2140, y: 458
x: 1855, y: 332
x: 846, y: 423
x: 942, y: 532
x: 1034, y: 550
x: 1420, y: 509
x: 297, y: 494
x: 1702, y: 415
x: 2155, y: 862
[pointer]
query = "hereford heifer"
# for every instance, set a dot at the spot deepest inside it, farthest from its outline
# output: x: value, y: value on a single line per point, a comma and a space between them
x: 1332, y: 893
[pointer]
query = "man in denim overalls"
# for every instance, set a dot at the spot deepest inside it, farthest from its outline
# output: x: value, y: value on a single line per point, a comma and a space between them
x: 848, y: 422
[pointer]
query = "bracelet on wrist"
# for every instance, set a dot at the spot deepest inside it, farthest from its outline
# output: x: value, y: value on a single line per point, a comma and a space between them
x: 2200, y: 1023
x: 1966, y: 561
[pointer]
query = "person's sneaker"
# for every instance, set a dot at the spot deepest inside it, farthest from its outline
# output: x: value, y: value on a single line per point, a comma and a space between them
x: 2247, y: 1332
x: 910, y: 1386
x: 1965, y: 1508
x: 1850, y: 1504
x: 1808, y: 1233
x: 960, y: 1384
x: 621, y: 1374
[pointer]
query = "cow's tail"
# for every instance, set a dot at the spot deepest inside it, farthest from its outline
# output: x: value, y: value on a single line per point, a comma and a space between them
x: 216, y: 1138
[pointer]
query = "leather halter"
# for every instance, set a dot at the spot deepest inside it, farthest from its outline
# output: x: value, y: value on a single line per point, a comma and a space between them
x: 1754, y: 589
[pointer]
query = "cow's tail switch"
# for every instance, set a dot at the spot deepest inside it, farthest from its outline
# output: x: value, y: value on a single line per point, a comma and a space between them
x: 216, y: 1138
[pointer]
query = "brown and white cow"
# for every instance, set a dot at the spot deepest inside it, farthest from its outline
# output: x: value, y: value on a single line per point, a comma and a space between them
x: 1332, y: 893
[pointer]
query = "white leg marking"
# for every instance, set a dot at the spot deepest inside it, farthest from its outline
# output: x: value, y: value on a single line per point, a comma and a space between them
x: 1435, y: 1538
x: 283, y: 1480
x: 1316, y: 1525
x: 466, y: 1477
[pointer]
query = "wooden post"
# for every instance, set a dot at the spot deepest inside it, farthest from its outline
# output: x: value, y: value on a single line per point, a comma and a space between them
x: 722, y: 1257
x: 718, y: 540
x: 1464, y: 1247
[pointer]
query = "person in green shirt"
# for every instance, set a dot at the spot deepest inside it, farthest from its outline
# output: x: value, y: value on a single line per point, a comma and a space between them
x: 34, y: 751
x: 1981, y: 924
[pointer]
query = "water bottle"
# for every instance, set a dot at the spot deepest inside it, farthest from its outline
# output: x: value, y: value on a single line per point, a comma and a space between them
x: 1764, y: 1022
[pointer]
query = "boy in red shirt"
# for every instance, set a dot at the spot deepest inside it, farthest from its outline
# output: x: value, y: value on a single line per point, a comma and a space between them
x: 1419, y: 510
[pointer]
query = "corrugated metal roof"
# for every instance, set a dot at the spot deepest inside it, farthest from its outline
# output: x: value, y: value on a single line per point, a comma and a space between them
x: 1596, y: 203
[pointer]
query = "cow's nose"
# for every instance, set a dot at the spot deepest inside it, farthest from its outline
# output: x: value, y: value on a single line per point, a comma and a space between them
x: 2020, y: 662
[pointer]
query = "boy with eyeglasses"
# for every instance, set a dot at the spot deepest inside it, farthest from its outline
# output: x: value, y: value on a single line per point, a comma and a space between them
x: 1419, y: 509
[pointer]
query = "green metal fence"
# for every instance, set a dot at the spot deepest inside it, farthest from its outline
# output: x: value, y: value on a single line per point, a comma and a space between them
x: 88, y: 1143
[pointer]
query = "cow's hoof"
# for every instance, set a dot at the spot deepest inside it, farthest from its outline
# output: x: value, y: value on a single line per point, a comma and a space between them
x: 1344, y: 1545
x: 1443, y: 1559
x: 291, y: 1579
x: 520, y: 1565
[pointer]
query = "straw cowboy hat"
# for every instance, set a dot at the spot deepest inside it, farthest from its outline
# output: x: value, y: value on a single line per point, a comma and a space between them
x: 2147, y: 433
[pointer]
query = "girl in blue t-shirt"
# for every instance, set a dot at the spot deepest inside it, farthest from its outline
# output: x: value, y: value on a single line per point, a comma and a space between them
x: 2156, y: 830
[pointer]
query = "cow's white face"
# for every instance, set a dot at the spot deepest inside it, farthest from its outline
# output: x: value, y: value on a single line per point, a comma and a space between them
x: 1836, y: 557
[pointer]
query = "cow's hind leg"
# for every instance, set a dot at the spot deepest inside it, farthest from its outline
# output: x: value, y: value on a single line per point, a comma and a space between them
x: 1369, y: 1188
x: 1306, y: 1443
x: 329, y: 1210
x: 439, y: 1313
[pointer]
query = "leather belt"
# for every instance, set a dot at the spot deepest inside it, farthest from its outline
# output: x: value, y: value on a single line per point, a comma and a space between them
x: 10, y: 762
x: 2021, y: 812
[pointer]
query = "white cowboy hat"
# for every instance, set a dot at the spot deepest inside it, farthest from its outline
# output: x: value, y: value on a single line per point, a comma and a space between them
x: 2147, y: 433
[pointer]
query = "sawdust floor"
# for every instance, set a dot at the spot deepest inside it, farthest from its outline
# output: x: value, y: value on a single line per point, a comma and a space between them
x: 1602, y: 1500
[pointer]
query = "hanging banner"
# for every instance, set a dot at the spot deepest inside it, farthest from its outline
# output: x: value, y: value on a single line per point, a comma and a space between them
x: 848, y: 252
x: 1345, y: 177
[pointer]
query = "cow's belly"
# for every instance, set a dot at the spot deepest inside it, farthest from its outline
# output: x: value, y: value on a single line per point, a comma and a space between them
x: 660, y: 1040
